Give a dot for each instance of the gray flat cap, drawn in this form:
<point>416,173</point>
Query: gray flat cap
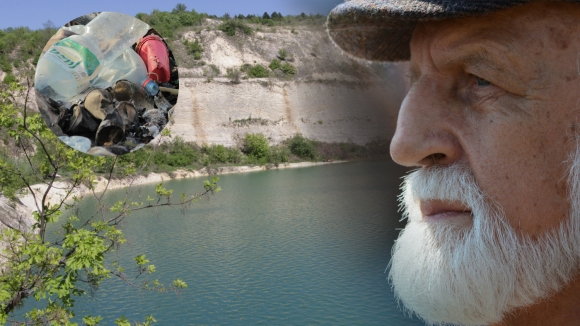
<point>380,30</point>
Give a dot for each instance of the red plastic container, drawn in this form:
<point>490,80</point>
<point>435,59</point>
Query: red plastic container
<point>156,57</point>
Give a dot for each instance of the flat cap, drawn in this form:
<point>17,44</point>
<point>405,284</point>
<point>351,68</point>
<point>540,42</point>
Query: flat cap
<point>380,30</point>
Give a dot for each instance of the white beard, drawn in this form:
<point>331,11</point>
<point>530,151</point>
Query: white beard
<point>476,274</point>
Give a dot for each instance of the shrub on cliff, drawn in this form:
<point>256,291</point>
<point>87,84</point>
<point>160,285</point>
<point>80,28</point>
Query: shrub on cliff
<point>255,71</point>
<point>302,147</point>
<point>233,75</point>
<point>230,26</point>
<point>286,68</point>
<point>176,154</point>
<point>278,154</point>
<point>221,154</point>
<point>195,48</point>
<point>256,146</point>
<point>275,64</point>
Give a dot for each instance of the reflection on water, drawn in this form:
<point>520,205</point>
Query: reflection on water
<point>296,246</point>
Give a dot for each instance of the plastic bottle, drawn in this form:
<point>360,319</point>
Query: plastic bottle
<point>72,64</point>
<point>67,68</point>
<point>115,32</point>
<point>150,86</point>
<point>128,66</point>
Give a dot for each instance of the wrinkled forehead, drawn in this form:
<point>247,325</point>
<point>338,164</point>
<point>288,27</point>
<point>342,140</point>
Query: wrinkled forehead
<point>533,32</point>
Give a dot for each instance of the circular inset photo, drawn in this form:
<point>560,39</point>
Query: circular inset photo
<point>106,83</point>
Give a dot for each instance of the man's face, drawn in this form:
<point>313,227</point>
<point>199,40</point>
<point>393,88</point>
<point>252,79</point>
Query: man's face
<point>491,106</point>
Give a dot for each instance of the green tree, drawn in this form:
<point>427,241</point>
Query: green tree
<point>256,146</point>
<point>302,147</point>
<point>180,7</point>
<point>55,271</point>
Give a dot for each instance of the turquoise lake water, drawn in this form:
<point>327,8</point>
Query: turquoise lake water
<point>306,246</point>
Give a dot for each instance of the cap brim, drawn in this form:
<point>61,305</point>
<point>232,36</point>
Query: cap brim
<point>381,30</point>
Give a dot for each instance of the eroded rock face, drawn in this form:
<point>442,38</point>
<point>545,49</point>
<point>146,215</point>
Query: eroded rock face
<point>14,215</point>
<point>330,98</point>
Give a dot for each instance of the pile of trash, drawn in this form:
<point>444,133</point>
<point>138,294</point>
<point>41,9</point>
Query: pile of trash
<point>106,83</point>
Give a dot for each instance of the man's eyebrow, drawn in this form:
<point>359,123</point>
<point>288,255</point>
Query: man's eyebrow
<point>474,59</point>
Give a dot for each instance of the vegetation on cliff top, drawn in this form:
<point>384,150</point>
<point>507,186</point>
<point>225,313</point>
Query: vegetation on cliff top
<point>20,47</point>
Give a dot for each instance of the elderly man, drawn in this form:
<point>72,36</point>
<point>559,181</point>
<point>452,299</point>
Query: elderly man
<point>491,123</point>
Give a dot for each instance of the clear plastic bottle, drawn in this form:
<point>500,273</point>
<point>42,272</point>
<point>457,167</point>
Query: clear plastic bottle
<point>128,66</point>
<point>114,32</point>
<point>67,68</point>
<point>72,64</point>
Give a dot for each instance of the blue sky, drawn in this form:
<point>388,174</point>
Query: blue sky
<point>34,13</point>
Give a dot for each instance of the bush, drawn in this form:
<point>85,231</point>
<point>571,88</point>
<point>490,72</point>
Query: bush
<point>233,75</point>
<point>194,48</point>
<point>302,147</point>
<point>10,78</point>
<point>136,158</point>
<point>211,72</point>
<point>275,64</point>
<point>36,58</point>
<point>176,154</point>
<point>5,65</point>
<point>215,69</point>
<point>278,155</point>
<point>255,71</point>
<point>256,146</point>
<point>288,69</point>
<point>230,26</point>
<point>282,54</point>
<point>220,154</point>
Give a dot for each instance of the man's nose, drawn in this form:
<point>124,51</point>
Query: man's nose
<point>426,131</point>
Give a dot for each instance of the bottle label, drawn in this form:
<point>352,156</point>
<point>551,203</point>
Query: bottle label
<point>76,59</point>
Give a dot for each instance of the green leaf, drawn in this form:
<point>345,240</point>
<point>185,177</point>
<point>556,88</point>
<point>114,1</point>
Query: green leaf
<point>122,321</point>
<point>141,260</point>
<point>91,321</point>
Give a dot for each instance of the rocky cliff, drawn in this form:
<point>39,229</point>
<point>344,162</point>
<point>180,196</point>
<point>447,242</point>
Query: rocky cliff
<point>330,98</point>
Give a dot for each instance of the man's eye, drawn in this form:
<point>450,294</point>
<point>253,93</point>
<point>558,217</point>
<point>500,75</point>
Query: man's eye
<point>482,82</point>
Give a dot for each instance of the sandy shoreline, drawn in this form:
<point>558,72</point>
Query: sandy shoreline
<point>58,190</point>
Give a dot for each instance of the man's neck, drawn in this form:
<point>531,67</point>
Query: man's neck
<point>561,308</point>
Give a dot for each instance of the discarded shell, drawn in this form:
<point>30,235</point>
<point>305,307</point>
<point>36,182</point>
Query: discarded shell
<point>141,100</point>
<point>128,113</point>
<point>99,102</point>
<point>51,112</point>
<point>81,121</point>
<point>111,130</point>
<point>123,90</point>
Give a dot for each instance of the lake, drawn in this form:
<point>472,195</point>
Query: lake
<point>305,246</point>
